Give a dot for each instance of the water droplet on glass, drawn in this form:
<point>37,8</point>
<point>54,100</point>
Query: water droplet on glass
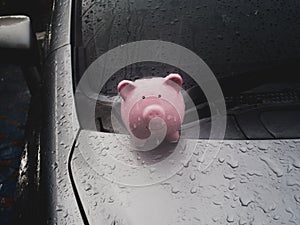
<point>243,149</point>
<point>174,190</point>
<point>229,176</point>
<point>297,198</point>
<point>289,168</point>
<point>233,163</point>
<point>245,200</point>
<point>231,187</point>
<point>276,217</point>
<point>272,165</point>
<point>193,176</point>
<point>230,219</point>
<point>221,160</point>
<point>88,187</point>
<point>242,222</point>
<point>152,170</point>
<point>292,182</point>
<point>296,163</point>
<point>110,200</point>
<point>193,190</point>
<point>215,219</point>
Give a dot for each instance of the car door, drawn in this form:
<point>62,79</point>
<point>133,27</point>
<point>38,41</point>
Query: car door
<point>239,180</point>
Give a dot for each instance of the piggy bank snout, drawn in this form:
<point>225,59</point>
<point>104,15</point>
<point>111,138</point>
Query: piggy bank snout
<point>153,111</point>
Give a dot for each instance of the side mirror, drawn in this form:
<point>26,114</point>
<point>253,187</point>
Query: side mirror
<point>18,45</point>
<point>15,32</point>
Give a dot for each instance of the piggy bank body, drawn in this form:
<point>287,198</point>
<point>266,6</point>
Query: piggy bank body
<point>152,106</point>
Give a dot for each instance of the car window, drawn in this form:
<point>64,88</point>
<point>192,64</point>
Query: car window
<point>231,37</point>
<point>249,46</point>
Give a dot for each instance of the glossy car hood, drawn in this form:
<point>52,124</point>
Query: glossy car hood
<point>200,182</point>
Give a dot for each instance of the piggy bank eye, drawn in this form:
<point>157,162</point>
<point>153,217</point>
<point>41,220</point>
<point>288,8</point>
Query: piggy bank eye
<point>143,97</point>
<point>159,96</point>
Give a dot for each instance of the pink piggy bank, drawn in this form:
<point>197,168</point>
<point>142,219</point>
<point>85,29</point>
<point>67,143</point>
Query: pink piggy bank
<point>152,105</point>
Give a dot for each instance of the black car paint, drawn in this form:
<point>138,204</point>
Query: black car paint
<point>55,200</point>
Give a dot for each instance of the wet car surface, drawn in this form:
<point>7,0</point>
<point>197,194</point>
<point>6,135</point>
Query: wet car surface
<point>92,176</point>
<point>245,182</point>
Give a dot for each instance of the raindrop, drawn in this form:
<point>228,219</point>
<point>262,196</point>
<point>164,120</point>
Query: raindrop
<point>290,211</point>
<point>272,165</point>
<point>58,209</point>
<point>296,163</point>
<point>291,182</point>
<point>152,170</point>
<point>233,163</point>
<point>113,167</point>
<point>221,160</point>
<point>66,215</point>
<point>193,176</point>
<point>196,153</point>
<point>55,165</point>
<point>104,153</point>
<point>276,217</point>
<point>249,147</point>
<point>158,157</point>
<point>227,196</point>
<point>230,219</point>
<point>180,173</point>
<point>215,219</point>
<point>197,219</point>
<point>289,168</point>
<point>254,173</point>
<point>88,187</point>
<point>201,160</point>
<point>272,207</point>
<point>110,200</point>
<point>231,187</point>
<point>229,176</point>
<point>193,190</point>
<point>186,164</point>
<point>157,141</point>
<point>243,149</point>
<point>263,148</point>
<point>297,198</point>
<point>245,200</point>
<point>242,222</point>
<point>217,202</point>
<point>174,190</point>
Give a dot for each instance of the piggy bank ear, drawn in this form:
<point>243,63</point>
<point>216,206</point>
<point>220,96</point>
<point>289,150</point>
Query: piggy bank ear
<point>125,87</point>
<point>174,80</point>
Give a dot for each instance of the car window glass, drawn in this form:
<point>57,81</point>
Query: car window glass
<point>242,43</point>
